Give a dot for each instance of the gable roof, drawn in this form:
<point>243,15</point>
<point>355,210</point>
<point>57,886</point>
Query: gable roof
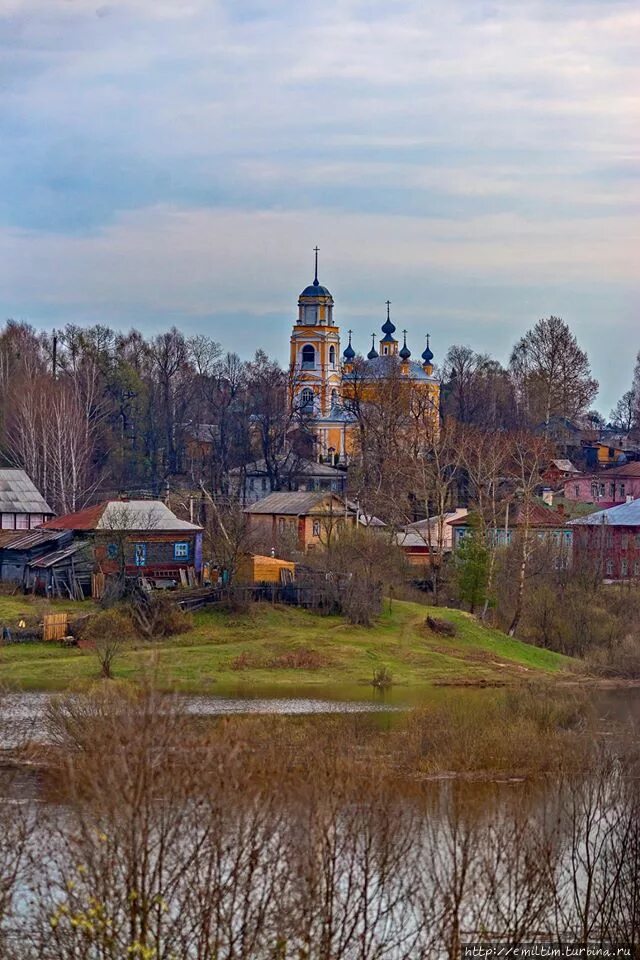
<point>564,465</point>
<point>299,504</point>
<point>30,539</point>
<point>539,516</point>
<point>19,494</point>
<point>296,466</point>
<point>624,515</point>
<point>134,515</point>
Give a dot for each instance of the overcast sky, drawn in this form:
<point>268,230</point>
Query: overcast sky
<point>175,161</point>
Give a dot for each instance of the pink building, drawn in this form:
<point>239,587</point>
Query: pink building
<point>606,487</point>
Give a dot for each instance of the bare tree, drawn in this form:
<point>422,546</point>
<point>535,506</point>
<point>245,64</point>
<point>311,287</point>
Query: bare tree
<point>552,373</point>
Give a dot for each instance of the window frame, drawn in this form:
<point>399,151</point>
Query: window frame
<point>178,553</point>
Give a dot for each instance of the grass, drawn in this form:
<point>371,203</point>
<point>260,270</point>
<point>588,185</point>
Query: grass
<point>286,650</point>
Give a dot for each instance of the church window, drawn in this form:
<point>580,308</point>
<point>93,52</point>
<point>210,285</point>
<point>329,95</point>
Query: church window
<point>386,351</point>
<point>308,357</point>
<point>306,400</point>
<point>334,397</point>
<point>311,314</point>
<point>332,356</point>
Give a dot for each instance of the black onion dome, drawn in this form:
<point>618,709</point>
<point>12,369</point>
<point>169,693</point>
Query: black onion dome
<point>427,355</point>
<point>405,353</point>
<point>373,353</point>
<point>388,328</point>
<point>348,353</point>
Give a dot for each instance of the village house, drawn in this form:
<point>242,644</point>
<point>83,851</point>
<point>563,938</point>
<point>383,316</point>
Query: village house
<point>252,481</point>
<point>546,526</point>
<point>558,471</point>
<point>419,541</point>
<point>306,520</point>
<point>138,537</point>
<point>606,487</point>
<point>608,542</point>
<point>22,506</point>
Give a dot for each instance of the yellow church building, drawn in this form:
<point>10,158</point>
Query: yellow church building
<point>324,384</point>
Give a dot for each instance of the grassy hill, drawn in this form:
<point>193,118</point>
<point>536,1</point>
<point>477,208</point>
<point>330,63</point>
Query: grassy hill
<point>290,651</point>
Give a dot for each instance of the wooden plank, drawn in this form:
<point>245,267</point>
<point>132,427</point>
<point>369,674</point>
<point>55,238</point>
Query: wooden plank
<point>55,626</point>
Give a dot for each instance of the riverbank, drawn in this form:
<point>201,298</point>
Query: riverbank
<point>284,648</point>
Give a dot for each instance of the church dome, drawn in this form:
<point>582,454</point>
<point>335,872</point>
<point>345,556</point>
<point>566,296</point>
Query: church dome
<point>315,290</point>
<point>427,355</point>
<point>349,353</point>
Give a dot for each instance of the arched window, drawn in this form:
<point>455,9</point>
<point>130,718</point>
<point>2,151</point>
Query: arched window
<point>332,356</point>
<point>334,397</point>
<point>306,400</point>
<point>308,357</point>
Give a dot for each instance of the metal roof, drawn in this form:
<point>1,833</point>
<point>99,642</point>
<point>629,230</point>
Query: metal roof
<point>28,539</point>
<point>51,559</point>
<point>380,367</point>
<point>134,515</point>
<point>298,504</point>
<point>296,466</point>
<point>624,515</point>
<point>18,494</point>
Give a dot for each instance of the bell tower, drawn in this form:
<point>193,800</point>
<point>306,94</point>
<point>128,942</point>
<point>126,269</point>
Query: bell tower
<point>315,351</point>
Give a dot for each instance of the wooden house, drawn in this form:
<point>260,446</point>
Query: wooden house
<point>605,487</point>
<point>419,541</point>
<point>306,520</point>
<point>252,482</point>
<point>608,542</point>
<point>546,526</point>
<point>139,537</point>
<point>22,506</point>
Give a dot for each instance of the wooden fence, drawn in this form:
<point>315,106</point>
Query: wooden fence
<point>55,626</point>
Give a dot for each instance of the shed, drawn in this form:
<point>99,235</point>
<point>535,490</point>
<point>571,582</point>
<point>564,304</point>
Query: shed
<point>254,568</point>
<point>19,550</point>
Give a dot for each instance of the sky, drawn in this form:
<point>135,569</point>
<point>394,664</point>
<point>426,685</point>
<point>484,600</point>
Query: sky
<point>175,161</point>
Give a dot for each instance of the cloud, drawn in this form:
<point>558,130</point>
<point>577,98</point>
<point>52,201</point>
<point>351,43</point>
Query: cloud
<point>175,156</point>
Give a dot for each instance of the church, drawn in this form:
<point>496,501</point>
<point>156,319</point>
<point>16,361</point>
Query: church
<point>324,383</point>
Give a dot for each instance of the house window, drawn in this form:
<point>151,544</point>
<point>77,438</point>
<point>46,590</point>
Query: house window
<point>332,356</point>
<point>624,542</point>
<point>35,520</point>
<point>308,357</point>
<point>316,528</point>
<point>602,489</point>
<point>251,485</point>
<point>609,568</point>
<point>181,551</point>
<point>577,490</point>
<point>612,491</point>
<point>140,554</point>
<point>622,489</point>
<point>624,568</point>
<point>22,521</point>
<point>636,569</point>
<point>8,521</point>
<point>637,539</point>
<point>282,524</point>
<point>112,551</point>
<point>264,483</point>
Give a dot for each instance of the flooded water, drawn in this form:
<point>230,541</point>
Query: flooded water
<point>23,715</point>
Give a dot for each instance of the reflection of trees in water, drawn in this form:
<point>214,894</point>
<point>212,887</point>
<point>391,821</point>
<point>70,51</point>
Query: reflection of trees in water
<point>174,843</point>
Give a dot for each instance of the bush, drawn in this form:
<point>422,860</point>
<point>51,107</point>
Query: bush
<point>621,660</point>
